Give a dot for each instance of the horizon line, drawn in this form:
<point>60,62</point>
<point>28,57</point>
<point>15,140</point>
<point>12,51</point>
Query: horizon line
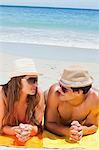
<point>50,7</point>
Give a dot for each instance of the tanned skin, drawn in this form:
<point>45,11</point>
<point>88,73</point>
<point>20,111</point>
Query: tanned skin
<point>72,114</point>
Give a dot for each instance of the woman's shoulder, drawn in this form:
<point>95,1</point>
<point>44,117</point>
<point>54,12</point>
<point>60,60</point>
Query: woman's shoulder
<point>1,92</point>
<point>2,95</point>
<point>0,88</point>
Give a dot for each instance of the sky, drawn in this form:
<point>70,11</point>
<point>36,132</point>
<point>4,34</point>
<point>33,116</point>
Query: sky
<point>87,4</point>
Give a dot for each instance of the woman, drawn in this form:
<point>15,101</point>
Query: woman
<point>21,101</point>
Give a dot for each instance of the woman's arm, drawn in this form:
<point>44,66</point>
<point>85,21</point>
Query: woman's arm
<point>5,129</point>
<point>11,130</point>
<point>2,109</point>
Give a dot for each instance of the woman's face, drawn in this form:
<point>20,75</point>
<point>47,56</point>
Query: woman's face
<point>29,84</point>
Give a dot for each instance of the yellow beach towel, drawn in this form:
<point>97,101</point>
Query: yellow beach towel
<point>90,142</point>
<point>34,142</point>
<point>50,140</point>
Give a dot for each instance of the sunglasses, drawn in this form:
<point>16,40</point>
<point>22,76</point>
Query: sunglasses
<point>32,80</point>
<point>73,89</point>
<point>64,89</point>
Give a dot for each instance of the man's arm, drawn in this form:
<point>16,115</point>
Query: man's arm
<point>91,124</point>
<point>92,121</point>
<point>52,115</point>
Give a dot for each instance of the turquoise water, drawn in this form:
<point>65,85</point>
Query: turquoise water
<point>52,26</point>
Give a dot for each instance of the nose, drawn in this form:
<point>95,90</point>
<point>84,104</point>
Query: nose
<point>35,84</point>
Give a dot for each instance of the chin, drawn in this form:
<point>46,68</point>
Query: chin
<point>66,98</point>
<point>32,93</point>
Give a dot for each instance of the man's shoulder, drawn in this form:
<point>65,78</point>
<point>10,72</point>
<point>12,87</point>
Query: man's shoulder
<point>54,88</point>
<point>94,97</point>
<point>94,93</point>
<point>53,93</point>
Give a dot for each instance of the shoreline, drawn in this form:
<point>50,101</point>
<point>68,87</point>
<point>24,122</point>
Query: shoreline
<point>37,44</point>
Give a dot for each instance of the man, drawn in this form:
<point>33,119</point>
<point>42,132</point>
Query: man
<point>72,107</point>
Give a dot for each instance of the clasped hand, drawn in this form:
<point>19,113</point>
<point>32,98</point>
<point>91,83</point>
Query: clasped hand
<point>75,131</point>
<point>25,131</point>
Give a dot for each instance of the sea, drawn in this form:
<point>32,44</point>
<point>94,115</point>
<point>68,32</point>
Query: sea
<point>50,26</point>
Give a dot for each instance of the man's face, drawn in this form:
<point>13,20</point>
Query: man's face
<point>67,94</point>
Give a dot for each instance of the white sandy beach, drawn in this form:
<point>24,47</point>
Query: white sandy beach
<point>51,60</point>
<point>50,69</point>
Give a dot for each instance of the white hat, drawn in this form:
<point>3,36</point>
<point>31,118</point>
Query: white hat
<point>75,76</point>
<point>20,67</point>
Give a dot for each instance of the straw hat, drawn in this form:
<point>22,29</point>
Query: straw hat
<point>75,76</point>
<point>19,67</point>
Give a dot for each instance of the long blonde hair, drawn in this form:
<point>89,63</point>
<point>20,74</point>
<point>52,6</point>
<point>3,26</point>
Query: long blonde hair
<point>12,92</point>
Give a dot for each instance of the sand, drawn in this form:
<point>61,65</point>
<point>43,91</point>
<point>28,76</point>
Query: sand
<point>51,60</point>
